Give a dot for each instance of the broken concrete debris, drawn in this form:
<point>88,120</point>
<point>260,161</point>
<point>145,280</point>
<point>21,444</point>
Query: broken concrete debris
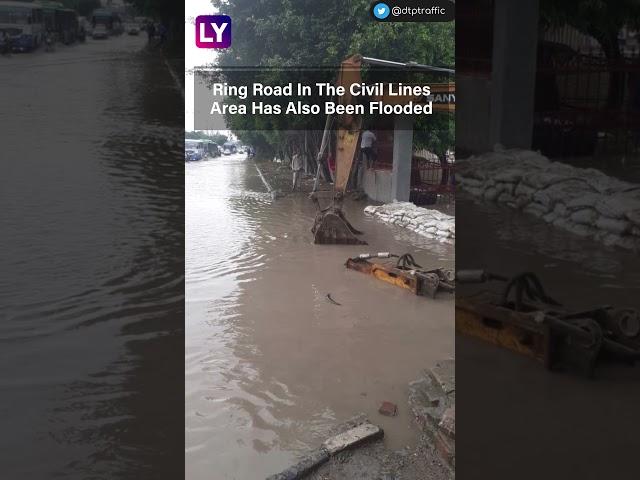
<point>424,221</point>
<point>432,401</point>
<point>357,434</point>
<point>352,437</point>
<point>307,464</point>
<point>584,201</point>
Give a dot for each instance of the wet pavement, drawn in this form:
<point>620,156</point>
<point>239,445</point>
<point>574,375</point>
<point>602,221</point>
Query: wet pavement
<point>92,223</point>
<point>271,364</point>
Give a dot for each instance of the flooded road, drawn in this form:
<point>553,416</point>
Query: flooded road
<point>572,268</point>
<point>585,428</point>
<point>92,245</point>
<point>271,364</point>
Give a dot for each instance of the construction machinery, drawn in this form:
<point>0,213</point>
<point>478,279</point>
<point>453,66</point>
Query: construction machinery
<point>523,318</point>
<point>330,225</point>
<point>404,273</point>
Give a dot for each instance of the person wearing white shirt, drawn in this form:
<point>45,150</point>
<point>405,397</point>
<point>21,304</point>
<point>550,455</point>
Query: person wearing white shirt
<point>367,150</point>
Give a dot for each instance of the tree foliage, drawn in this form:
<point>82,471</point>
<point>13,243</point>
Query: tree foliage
<point>83,7</point>
<point>602,20</point>
<point>217,138</point>
<point>311,33</point>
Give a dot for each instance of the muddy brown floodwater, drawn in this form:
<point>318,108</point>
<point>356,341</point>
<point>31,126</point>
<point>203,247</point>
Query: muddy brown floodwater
<point>271,364</point>
<point>91,296</point>
<point>582,428</point>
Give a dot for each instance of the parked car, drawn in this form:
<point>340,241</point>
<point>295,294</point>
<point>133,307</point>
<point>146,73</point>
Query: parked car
<point>100,32</point>
<point>228,148</point>
<point>133,29</point>
<point>192,155</point>
<point>194,150</point>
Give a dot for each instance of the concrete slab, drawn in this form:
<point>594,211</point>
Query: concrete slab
<point>306,465</point>
<point>448,422</point>
<point>352,437</point>
<point>444,374</point>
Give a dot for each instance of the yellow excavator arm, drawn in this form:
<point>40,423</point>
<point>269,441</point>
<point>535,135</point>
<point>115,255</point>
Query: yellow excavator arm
<point>331,226</point>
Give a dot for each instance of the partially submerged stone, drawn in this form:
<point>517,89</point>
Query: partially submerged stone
<point>448,422</point>
<point>306,465</point>
<point>388,409</point>
<point>354,436</point>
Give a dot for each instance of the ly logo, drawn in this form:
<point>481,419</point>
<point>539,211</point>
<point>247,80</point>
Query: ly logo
<point>213,31</point>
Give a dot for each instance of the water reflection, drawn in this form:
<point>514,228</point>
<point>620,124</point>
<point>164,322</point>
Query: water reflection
<point>92,262</point>
<point>271,364</point>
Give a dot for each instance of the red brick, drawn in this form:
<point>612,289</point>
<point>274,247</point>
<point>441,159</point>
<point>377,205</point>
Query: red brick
<point>389,409</point>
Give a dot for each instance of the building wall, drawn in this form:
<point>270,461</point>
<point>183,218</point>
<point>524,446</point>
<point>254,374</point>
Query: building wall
<point>377,185</point>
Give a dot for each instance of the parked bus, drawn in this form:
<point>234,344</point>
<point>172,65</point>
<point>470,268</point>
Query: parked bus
<point>22,24</point>
<point>60,21</point>
<point>109,19</point>
<point>68,26</point>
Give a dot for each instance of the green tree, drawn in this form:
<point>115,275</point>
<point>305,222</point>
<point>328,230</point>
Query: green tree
<point>601,19</point>
<point>83,7</point>
<point>217,138</point>
<point>285,33</point>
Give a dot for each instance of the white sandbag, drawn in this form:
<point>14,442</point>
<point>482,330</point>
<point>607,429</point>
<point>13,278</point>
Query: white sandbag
<point>535,209</point>
<point>633,216</point>
<point>617,205</point>
<point>523,190</point>
<point>584,216</point>
<point>613,225</point>
<point>506,197</point>
<point>588,199</point>
<point>581,230</point>
<point>491,194</point>
<point>560,209</point>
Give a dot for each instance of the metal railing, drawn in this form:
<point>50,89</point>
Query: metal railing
<point>432,182</point>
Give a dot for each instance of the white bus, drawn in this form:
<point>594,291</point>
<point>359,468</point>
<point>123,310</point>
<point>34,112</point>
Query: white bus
<point>23,24</point>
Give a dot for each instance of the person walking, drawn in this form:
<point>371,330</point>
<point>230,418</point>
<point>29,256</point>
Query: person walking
<point>151,31</point>
<point>6,43</point>
<point>296,166</point>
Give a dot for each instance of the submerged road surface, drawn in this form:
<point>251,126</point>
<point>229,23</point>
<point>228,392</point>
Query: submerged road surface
<point>91,297</point>
<point>272,364</point>
<point>513,412</point>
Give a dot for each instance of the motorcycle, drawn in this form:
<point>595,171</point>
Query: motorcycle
<point>49,43</point>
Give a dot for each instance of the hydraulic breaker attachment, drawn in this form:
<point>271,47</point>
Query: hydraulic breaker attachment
<point>525,319</point>
<point>404,273</point>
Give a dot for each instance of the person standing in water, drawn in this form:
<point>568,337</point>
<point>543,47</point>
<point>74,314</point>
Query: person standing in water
<point>296,166</point>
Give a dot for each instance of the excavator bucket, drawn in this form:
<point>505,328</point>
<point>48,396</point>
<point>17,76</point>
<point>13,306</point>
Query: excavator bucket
<point>332,228</point>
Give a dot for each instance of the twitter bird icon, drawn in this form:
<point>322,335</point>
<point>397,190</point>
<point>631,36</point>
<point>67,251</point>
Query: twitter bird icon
<point>381,11</point>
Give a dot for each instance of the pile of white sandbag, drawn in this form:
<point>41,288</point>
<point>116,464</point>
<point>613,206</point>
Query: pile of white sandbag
<point>430,223</point>
<point>584,201</point>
